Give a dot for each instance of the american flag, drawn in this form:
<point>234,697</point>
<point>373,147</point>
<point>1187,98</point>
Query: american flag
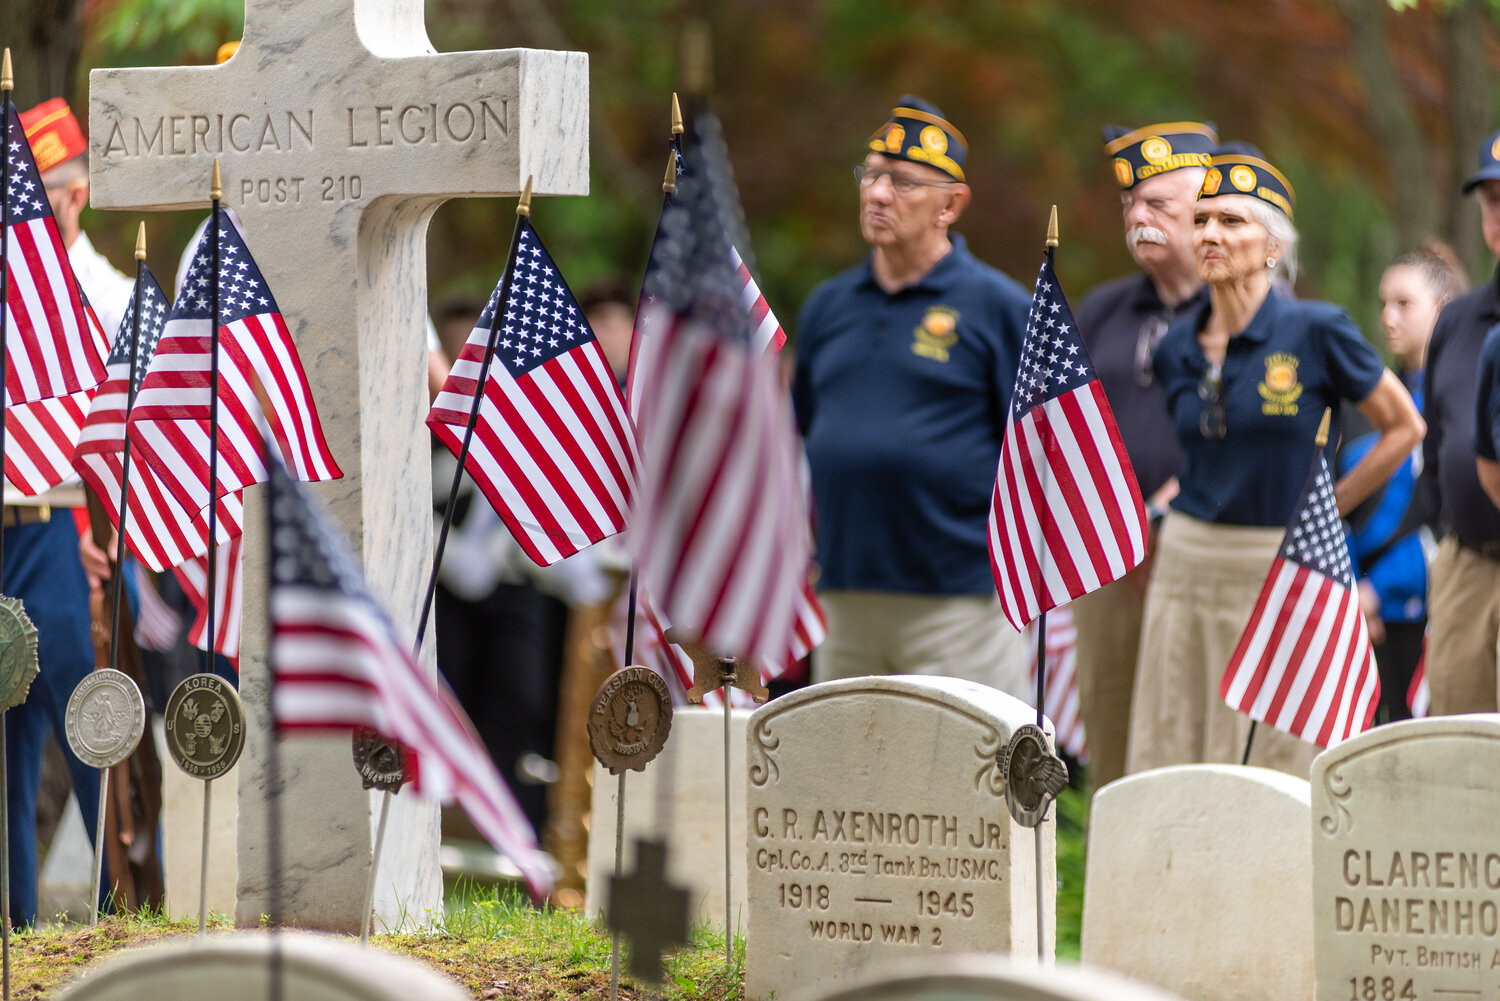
<point>169,425</point>
<point>159,528</point>
<point>1303,664</point>
<point>1066,516</point>
<point>553,449</point>
<point>228,599</point>
<point>54,345</point>
<point>337,664</point>
<point>768,337</point>
<point>720,530</point>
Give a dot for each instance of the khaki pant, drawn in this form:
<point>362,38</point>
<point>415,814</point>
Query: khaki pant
<point>1203,589</point>
<point>1463,622</point>
<point>953,636</point>
<point>1109,636</point>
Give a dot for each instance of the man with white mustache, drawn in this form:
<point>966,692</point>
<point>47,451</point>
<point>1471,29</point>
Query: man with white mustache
<point>1159,169</point>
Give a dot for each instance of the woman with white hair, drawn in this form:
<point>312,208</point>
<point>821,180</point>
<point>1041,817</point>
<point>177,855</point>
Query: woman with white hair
<point>1247,377</point>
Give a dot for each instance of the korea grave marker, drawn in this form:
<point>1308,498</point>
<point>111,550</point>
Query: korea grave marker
<point>1406,862</point>
<point>340,131</point>
<point>1200,881</point>
<point>878,829</point>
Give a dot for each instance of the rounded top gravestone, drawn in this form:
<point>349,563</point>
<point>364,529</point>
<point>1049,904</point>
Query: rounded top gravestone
<point>990,978</point>
<point>237,968</point>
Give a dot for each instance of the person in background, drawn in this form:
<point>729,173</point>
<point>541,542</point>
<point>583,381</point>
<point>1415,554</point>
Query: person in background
<point>905,366</point>
<point>1463,596</point>
<point>42,563</point>
<point>1160,169</point>
<point>1247,376</point>
<point>1388,551</point>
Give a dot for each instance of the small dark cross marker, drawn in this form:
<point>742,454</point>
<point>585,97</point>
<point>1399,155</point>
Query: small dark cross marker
<point>710,671</point>
<point>644,906</point>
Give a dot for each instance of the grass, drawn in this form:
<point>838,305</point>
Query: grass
<point>497,946</point>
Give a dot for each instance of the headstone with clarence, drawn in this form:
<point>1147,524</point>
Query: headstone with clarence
<point>340,130</point>
<point>1406,862</point>
<point>878,830</point>
<point>1200,881</point>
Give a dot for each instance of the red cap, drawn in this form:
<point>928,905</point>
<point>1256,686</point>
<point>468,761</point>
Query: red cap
<point>54,133</point>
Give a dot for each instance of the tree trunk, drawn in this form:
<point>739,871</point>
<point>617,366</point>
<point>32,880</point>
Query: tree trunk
<point>1413,201</point>
<point>1470,98</point>
<point>44,38</point>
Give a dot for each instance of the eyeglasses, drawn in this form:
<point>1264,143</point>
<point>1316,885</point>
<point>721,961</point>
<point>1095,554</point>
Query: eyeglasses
<point>1145,348</point>
<point>1211,392</point>
<point>866,177</point>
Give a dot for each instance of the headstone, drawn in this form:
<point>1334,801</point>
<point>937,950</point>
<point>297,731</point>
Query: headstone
<point>689,771</point>
<point>878,829</point>
<point>340,131</point>
<point>1200,881</point>
<point>237,968</point>
<point>1406,862</point>
<point>989,978</point>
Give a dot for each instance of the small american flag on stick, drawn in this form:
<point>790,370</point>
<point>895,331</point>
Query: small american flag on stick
<point>1304,663</point>
<point>720,530</point>
<point>553,449</point>
<point>337,664</point>
<point>1066,515</point>
<point>169,424</point>
<point>54,345</point>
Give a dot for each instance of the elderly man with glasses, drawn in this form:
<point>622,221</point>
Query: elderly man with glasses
<point>1159,169</point>
<point>905,365</point>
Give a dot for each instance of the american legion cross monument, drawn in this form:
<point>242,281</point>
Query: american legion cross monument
<point>340,130</point>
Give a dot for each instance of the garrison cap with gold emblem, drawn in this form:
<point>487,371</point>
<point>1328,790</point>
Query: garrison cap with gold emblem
<point>918,132</point>
<point>1240,169</point>
<point>1155,149</point>
<point>54,133</point>
<point>1489,164</point>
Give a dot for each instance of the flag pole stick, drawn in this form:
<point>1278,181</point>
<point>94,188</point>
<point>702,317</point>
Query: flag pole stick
<point>211,590</point>
<point>1249,739</point>
<point>208,786</point>
<point>7,111</point>
<point>121,514</point>
<point>728,835</point>
<point>614,935</point>
<point>273,746</point>
<point>523,210</point>
<point>1041,679</point>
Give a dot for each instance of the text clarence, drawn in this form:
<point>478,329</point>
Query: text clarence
<point>427,124</point>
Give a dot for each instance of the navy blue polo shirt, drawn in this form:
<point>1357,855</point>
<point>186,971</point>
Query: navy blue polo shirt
<point>1487,397</point>
<point>1295,359</point>
<point>901,400</point>
<point>1117,321</point>
<point>1450,384</point>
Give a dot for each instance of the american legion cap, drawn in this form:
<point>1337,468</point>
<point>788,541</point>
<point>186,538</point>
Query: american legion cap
<point>1489,164</point>
<point>1155,149</point>
<point>1240,169</point>
<point>917,131</point>
<point>53,132</point>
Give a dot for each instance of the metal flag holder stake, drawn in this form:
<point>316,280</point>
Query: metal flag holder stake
<point>211,586</point>
<point>380,763</point>
<point>205,723</point>
<point>712,671</point>
<point>104,721</point>
<point>1032,771</point>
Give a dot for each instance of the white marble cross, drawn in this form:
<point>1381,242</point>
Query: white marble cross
<point>340,131</point>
